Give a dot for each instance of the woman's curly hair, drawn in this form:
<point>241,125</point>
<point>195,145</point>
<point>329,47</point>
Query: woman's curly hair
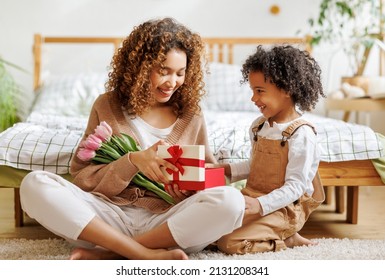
<point>290,69</point>
<point>145,48</point>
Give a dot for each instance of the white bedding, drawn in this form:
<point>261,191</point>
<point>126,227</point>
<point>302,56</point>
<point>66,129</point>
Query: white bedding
<point>338,140</point>
<point>48,138</point>
<point>69,95</point>
<point>48,142</point>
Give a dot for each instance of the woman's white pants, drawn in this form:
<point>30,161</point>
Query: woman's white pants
<point>66,210</point>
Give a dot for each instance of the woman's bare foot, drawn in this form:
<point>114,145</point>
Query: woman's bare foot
<point>94,254</point>
<point>298,240</point>
<point>102,254</point>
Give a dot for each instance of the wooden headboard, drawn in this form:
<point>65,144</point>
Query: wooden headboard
<point>228,44</point>
<point>221,49</point>
<point>39,41</point>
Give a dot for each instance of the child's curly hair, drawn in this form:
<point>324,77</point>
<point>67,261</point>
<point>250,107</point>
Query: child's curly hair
<point>145,48</point>
<point>290,69</point>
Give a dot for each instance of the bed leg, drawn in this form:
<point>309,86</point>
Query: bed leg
<point>352,205</point>
<point>19,214</point>
<point>328,194</point>
<point>340,199</point>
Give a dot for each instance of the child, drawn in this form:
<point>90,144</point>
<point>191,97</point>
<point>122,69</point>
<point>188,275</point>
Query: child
<point>154,90</point>
<point>283,186</point>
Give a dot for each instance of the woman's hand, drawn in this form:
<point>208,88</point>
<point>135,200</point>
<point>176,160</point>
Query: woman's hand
<point>176,193</point>
<point>148,162</point>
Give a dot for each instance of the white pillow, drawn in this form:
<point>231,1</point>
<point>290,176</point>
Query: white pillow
<point>69,95</point>
<point>224,91</point>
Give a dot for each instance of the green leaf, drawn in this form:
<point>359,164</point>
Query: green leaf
<point>315,40</point>
<point>159,185</point>
<point>109,151</point>
<point>345,9</point>
<point>10,92</point>
<point>149,185</point>
<point>120,143</point>
<point>130,142</point>
<point>99,159</point>
<point>13,65</point>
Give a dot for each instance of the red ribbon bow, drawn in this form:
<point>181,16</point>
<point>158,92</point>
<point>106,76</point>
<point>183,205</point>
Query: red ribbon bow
<point>176,152</point>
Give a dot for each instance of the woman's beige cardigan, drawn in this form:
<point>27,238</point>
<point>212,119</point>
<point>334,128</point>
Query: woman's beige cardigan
<point>112,181</point>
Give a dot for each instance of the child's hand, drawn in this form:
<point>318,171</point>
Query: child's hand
<point>176,193</point>
<point>226,167</point>
<point>252,205</point>
<point>210,165</point>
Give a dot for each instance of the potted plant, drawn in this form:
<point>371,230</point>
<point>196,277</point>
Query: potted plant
<point>10,96</point>
<point>355,25</point>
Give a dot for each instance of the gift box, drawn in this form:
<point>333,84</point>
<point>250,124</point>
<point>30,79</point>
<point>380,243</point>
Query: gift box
<point>192,174</point>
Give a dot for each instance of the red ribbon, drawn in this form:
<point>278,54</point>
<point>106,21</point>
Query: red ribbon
<point>176,152</point>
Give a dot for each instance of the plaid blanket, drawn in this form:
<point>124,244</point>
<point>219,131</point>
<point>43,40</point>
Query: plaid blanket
<point>48,142</point>
<point>337,140</point>
<point>44,146</point>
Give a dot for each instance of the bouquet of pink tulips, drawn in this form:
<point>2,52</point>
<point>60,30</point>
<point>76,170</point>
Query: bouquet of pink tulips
<point>103,147</point>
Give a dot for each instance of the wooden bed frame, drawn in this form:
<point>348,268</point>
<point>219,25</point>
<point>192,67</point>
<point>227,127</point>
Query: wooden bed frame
<point>341,175</point>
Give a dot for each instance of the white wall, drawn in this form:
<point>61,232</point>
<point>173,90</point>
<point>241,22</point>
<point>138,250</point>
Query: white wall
<point>20,19</point>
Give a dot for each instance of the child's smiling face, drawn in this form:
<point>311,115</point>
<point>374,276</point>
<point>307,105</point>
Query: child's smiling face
<point>275,104</point>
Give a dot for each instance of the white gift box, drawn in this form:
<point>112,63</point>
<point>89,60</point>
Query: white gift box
<point>189,158</point>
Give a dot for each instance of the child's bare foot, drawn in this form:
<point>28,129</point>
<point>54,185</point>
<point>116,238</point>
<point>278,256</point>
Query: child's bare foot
<point>102,254</point>
<point>298,240</point>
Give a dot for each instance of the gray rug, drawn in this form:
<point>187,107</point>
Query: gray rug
<point>327,249</point>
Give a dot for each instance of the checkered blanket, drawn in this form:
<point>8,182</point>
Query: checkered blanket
<point>338,140</point>
<point>48,142</point>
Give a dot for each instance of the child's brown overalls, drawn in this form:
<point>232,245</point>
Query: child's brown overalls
<point>268,168</point>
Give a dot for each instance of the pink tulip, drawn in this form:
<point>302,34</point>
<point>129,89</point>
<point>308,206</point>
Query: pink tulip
<point>92,142</point>
<point>86,154</point>
<point>103,131</point>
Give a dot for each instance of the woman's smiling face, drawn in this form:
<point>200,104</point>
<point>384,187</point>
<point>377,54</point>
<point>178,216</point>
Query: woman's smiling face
<point>167,79</point>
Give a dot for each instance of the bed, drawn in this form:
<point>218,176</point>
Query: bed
<point>352,155</point>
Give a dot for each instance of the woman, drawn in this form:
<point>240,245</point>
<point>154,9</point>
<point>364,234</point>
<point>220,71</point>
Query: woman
<point>153,94</point>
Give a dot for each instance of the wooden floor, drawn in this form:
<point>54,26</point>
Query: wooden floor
<point>323,223</point>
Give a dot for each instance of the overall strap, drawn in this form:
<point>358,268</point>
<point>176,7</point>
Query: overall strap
<point>257,128</point>
<point>287,133</point>
<point>291,129</point>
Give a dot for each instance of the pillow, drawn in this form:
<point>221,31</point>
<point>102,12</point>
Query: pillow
<point>224,90</point>
<point>69,95</point>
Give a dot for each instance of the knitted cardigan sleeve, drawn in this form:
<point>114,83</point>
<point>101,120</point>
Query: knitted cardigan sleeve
<point>108,179</point>
<point>111,180</point>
